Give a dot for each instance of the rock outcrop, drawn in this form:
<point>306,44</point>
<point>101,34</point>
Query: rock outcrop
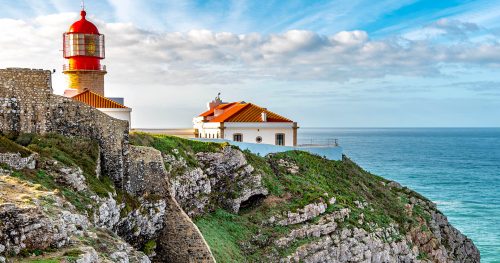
<point>289,207</point>
<point>223,179</point>
<point>16,161</point>
<point>34,220</point>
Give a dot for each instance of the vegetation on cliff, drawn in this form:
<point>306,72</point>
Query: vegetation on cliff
<point>43,196</point>
<point>296,180</point>
<point>233,236</point>
<point>308,203</point>
<point>70,152</point>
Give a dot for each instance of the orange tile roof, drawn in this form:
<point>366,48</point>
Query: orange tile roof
<point>220,107</point>
<point>97,101</point>
<point>243,112</point>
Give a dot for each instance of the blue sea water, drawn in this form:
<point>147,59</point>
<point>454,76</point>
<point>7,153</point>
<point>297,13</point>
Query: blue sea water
<point>457,168</point>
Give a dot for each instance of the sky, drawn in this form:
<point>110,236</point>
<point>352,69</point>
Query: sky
<point>353,63</point>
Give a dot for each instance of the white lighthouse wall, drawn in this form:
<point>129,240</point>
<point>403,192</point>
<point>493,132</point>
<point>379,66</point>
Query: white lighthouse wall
<point>119,113</point>
<point>268,135</point>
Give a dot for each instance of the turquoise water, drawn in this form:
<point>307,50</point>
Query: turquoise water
<point>459,169</point>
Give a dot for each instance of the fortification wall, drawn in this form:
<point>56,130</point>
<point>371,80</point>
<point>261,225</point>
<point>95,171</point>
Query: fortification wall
<point>27,105</point>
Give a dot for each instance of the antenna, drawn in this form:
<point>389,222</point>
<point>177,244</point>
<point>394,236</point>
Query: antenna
<point>83,5</point>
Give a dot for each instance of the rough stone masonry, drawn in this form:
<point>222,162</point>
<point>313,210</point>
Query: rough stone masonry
<point>27,105</point>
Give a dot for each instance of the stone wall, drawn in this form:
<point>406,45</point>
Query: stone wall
<point>27,105</point>
<point>182,239</point>
<point>179,240</point>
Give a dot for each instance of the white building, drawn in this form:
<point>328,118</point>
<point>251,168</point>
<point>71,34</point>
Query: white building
<point>245,122</point>
<point>111,106</point>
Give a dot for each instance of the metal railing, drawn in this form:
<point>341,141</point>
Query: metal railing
<point>85,67</point>
<point>319,142</point>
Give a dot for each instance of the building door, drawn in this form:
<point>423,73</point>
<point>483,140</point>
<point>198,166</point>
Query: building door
<point>280,139</point>
<point>238,137</point>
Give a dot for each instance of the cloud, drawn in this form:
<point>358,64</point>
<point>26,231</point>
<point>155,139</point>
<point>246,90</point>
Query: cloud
<point>454,28</point>
<point>203,56</point>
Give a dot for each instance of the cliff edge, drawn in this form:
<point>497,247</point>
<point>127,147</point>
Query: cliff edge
<point>75,186</point>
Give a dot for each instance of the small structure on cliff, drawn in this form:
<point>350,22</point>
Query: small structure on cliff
<point>245,122</point>
<point>83,47</point>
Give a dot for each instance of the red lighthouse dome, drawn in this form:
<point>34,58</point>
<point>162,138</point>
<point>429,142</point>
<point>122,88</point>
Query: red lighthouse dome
<point>83,46</point>
<point>83,26</point>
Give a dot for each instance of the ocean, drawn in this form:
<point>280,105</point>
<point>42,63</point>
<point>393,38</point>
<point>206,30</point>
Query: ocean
<point>457,168</point>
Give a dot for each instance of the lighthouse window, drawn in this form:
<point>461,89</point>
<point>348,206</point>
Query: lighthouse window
<point>83,45</point>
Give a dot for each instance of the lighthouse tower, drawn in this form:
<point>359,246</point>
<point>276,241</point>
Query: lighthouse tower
<point>83,47</point>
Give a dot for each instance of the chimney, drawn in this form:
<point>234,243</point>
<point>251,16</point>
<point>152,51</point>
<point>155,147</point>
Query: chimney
<point>264,116</point>
<point>214,103</point>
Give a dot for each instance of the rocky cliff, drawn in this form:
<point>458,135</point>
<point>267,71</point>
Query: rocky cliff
<point>296,207</point>
<point>76,187</point>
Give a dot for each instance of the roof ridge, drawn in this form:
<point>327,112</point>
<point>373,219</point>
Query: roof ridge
<point>101,97</point>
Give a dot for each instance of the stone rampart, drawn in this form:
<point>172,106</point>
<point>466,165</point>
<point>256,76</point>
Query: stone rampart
<point>27,105</point>
<point>180,240</point>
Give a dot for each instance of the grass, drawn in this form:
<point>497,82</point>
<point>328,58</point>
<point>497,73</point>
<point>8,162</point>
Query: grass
<point>150,247</point>
<point>224,231</point>
<point>233,237</point>
<point>41,261</point>
<point>174,145</point>
<point>73,253</point>
<point>8,146</point>
<point>242,237</point>
<point>73,152</point>
<point>423,256</point>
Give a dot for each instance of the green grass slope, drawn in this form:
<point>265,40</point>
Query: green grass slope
<point>244,237</point>
<point>71,152</point>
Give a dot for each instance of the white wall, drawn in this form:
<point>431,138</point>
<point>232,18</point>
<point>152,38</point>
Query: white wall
<point>121,114</point>
<point>250,131</point>
<point>207,129</point>
<point>268,134</point>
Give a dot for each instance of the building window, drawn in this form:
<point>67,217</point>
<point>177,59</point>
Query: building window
<point>238,137</point>
<point>280,139</point>
<point>258,139</point>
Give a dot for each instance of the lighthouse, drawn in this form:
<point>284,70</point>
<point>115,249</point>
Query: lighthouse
<point>84,49</point>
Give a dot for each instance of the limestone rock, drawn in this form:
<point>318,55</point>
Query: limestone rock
<point>107,214</point>
<point>226,173</point>
<point>289,166</point>
<point>17,162</point>
<point>306,213</point>
<point>73,177</point>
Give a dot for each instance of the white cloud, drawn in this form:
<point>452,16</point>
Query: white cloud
<point>203,56</point>
<point>202,62</point>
